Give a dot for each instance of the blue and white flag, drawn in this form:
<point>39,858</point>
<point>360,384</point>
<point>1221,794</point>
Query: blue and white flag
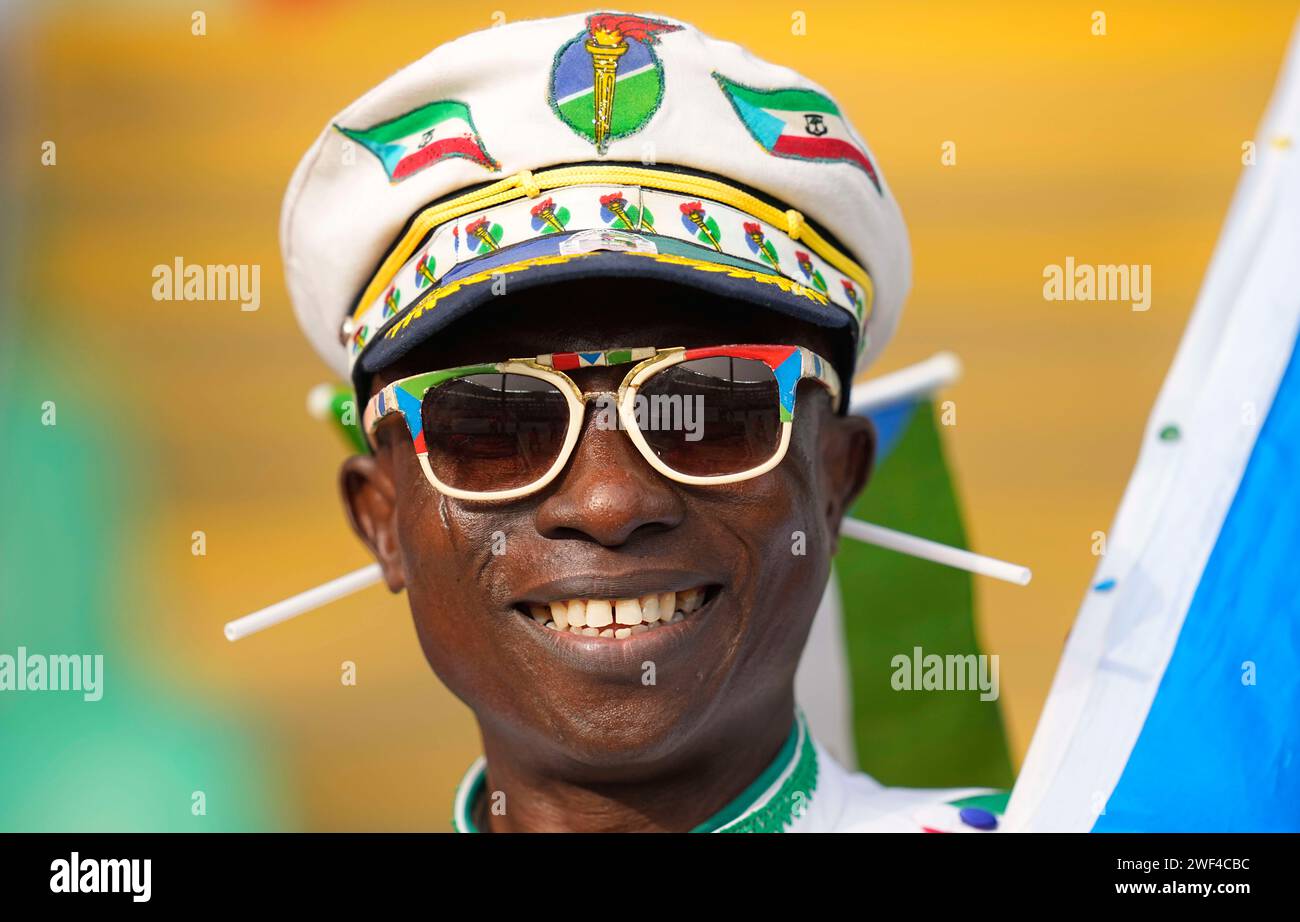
<point>1176,706</point>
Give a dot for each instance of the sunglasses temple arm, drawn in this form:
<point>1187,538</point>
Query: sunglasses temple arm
<point>935,552</point>
<point>304,602</point>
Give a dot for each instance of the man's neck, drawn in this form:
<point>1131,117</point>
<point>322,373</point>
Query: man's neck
<point>520,795</point>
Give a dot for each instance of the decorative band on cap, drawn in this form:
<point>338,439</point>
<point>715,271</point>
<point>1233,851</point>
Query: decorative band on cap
<point>463,241</point>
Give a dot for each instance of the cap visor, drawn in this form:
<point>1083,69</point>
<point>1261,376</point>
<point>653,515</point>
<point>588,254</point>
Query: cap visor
<point>541,262</point>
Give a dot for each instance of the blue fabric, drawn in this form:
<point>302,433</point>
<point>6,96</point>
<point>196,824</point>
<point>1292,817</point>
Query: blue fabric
<point>1216,753</point>
<point>890,422</point>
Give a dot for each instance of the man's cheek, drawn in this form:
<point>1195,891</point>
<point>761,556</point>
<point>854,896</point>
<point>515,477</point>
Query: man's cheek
<point>795,552</point>
<point>788,504</point>
<point>453,557</point>
<point>446,599</point>
<point>439,581</point>
<point>775,519</point>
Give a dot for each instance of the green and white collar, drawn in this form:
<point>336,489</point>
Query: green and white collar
<point>771,803</point>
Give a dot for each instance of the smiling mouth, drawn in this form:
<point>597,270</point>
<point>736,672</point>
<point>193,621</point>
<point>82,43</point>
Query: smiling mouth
<point>619,619</point>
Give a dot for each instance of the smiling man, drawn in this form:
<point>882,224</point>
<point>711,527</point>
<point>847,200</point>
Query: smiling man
<point>600,283</point>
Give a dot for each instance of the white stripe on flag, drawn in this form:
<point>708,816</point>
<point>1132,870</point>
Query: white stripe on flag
<point>447,128</point>
<point>796,124</point>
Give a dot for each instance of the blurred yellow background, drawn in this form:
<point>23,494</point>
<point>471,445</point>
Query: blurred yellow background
<point>1122,148</point>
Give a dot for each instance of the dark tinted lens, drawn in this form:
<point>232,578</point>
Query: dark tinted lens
<point>712,416</point>
<point>493,432</point>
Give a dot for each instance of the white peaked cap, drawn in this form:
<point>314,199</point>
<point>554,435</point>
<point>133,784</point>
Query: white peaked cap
<point>604,143</point>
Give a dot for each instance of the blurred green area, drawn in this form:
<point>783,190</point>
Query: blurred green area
<point>135,759</point>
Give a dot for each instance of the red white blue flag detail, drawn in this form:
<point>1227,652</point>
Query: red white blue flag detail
<point>797,123</point>
<point>420,138</point>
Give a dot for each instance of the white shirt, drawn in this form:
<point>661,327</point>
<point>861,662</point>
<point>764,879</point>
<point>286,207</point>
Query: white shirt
<point>806,790</point>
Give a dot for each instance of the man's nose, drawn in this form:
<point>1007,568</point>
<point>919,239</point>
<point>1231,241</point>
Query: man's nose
<point>608,492</point>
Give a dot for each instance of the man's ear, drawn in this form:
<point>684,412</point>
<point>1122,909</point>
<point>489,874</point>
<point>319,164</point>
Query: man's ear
<point>371,501</point>
<point>848,454</point>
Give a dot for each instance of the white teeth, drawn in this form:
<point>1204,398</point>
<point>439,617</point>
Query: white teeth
<point>617,618</point>
<point>599,613</point>
<point>627,611</point>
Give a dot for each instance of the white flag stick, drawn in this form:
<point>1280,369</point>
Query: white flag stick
<point>915,381</point>
<point>304,602</point>
<point>936,552</point>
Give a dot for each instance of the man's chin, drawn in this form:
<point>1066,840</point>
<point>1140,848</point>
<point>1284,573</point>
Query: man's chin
<point>627,740</point>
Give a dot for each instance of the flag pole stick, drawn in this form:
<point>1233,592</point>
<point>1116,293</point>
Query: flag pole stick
<point>303,602</point>
<point>913,382</point>
<point>936,552</point>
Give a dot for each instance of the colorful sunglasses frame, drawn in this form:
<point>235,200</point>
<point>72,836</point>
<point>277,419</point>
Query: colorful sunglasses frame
<point>789,365</point>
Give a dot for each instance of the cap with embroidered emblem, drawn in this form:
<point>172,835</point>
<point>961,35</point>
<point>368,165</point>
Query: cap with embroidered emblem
<point>614,146</point>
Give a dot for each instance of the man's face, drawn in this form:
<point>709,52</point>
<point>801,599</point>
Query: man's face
<point>611,527</point>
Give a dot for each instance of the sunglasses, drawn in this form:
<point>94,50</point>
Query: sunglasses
<point>502,430</point>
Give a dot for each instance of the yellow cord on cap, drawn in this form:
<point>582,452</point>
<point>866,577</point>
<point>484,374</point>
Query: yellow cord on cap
<point>793,224</point>
<point>525,180</point>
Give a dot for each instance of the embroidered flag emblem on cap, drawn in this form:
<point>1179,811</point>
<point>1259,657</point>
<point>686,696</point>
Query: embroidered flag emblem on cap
<point>803,124</point>
<point>409,143</point>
